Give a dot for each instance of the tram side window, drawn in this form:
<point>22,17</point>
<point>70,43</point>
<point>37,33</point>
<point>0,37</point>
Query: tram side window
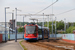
<point>40,31</point>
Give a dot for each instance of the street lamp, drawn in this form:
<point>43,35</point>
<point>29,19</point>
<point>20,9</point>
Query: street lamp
<point>5,22</point>
<point>16,24</point>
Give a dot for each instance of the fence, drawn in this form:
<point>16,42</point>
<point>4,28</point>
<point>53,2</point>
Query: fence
<point>21,35</point>
<point>12,36</point>
<point>69,38</point>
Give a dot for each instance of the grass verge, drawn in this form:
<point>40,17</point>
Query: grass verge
<point>23,45</point>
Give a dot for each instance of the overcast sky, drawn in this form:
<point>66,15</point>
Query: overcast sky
<point>34,6</point>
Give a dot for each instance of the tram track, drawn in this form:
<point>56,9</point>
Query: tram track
<point>60,44</point>
<point>49,46</point>
<point>52,47</point>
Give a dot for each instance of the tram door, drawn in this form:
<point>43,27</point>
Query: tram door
<point>45,33</point>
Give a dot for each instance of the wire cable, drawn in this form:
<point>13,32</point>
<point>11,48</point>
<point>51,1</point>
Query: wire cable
<point>47,7</point>
<point>65,12</point>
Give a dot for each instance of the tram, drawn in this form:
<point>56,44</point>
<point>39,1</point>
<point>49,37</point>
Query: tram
<point>34,32</point>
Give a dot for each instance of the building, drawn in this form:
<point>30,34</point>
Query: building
<point>2,27</point>
<point>12,24</point>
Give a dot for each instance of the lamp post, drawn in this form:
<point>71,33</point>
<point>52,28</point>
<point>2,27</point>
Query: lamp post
<point>16,24</point>
<point>5,22</point>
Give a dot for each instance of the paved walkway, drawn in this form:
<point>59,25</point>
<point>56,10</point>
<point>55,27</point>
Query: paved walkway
<point>10,45</point>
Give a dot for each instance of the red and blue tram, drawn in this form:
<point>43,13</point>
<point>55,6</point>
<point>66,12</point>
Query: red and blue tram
<point>33,32</point>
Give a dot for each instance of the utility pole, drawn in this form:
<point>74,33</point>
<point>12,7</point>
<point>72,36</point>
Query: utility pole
<point>48,29</point>
<point>42,27</point>
<point>65,25</point>
<point>12,22</point>
<point>5,23</point>
<point>55,28</point>
<point>23,26</point>
<point>43,20</point>
<point>52,27</point>
<point>48,22</point>
<point>16,25</point>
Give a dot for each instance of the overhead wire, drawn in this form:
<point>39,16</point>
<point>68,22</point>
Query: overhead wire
<point>52,7</point>
<point>65,12</point>
<point>47,7</point>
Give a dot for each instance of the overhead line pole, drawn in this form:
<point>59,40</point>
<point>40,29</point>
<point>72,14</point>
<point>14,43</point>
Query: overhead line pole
<point>55,28</point>
<point>48,29</point>
<point>23,25</point>
<point>65,25</point>
<point>12,22</point>
<point>52,27</point>
<point>42,27</point>
<point>43,20</point>
<point>16,25</point>
<point>5,24</point>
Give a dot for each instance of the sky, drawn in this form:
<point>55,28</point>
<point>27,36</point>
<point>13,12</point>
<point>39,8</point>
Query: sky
<point>34,6</point>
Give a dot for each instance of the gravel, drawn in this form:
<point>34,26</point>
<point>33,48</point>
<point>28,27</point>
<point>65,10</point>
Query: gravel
<point>33,47</point>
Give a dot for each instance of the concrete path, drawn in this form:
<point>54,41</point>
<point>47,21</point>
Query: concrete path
<point>10,45</point>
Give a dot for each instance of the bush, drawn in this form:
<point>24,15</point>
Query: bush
<point>70,29</point>
<point>21,29</point>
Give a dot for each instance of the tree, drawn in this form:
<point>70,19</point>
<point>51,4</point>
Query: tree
<point>70,29</point>
<point>60,25</point>
<point>21,29</point>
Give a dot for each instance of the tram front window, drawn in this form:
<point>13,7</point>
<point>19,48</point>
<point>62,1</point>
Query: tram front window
<point>30,29</point>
